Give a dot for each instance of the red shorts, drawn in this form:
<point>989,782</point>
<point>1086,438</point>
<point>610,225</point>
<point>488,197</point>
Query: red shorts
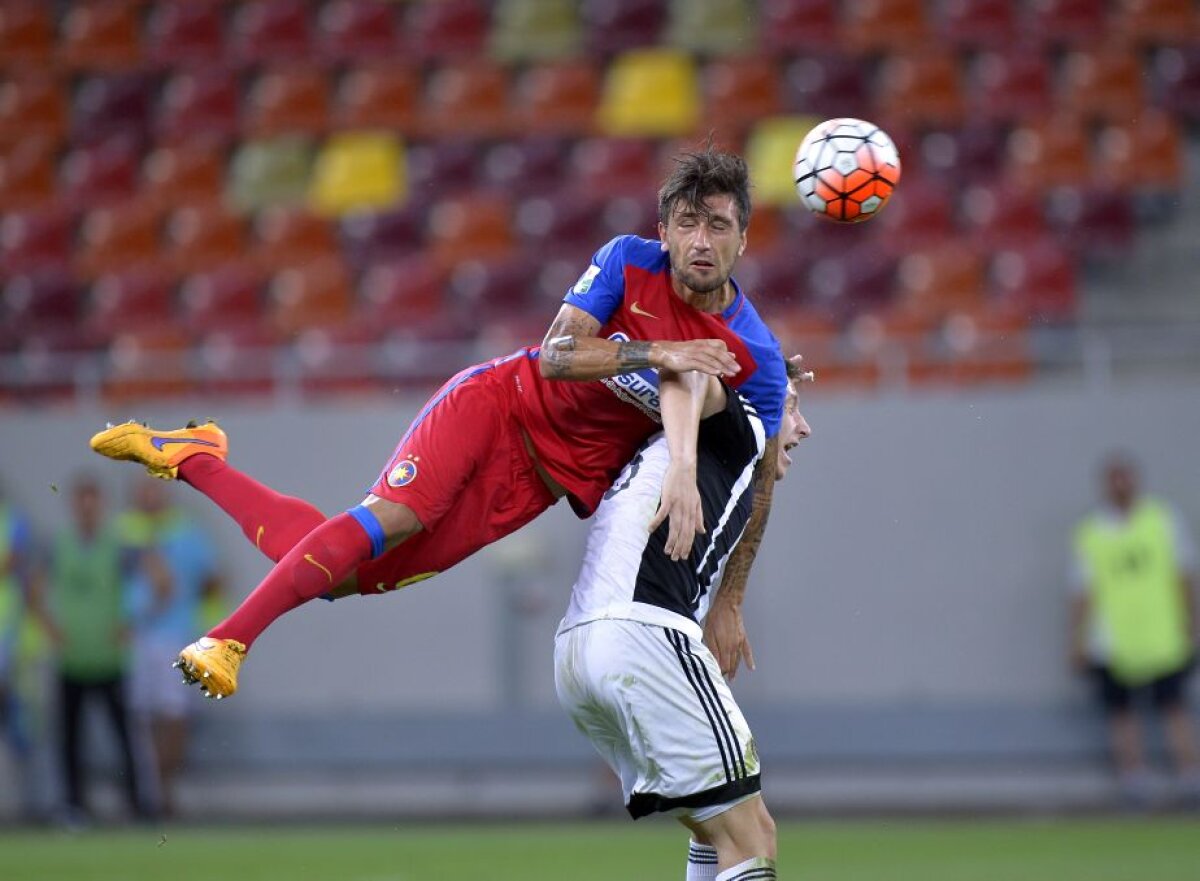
<point>464,470</point>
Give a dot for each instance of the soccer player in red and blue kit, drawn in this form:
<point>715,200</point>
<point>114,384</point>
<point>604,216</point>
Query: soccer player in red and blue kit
<point>502,441</point>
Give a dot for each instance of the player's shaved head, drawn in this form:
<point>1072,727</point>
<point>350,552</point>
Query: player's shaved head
<point>700,174</point>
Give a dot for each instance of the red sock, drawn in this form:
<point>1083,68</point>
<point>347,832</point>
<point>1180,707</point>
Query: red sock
<point>273,522</point>
<point>314,566</point>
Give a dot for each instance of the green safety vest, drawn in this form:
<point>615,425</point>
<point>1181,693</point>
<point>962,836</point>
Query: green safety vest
<point>31,642</point>
<point>1135,591</point>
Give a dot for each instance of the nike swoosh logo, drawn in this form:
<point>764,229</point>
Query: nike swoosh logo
<point>308,558</point>
<point>638,310</point>
<point>160,442</point>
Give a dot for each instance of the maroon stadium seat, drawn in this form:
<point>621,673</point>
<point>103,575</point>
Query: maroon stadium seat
<point>402,290</point>
<point>979,23</point>
<point>32,106</point>
<point>443,167</point>
<point>228,296</point>
<point>966,154</point>
<point>562,223</point>
<point>368,237</point>
<point>484,290</point>
<point>41,301</point>
<point>1093,221</point>
<point>1059,22</point>
<point>1037,280</point>
<point>40,238</point>
<point>446,29</point>
<point>101,35</point>
<point>919,214</point>
<point>1177,80</point>
<point>558,98</point>
<point>129,300</point>
<point>117,104</point>
<point>827,86</point>
<point>353,30</point>
<point>238,360</point>
<point>1000,215</point>
<point>101,173</point>
<point>199,104</point>
<point>787,26</point>
<point>525,167</point>
<point>615,25</point>
<point>615,166</point>
<point>1010,84</point>
<point>26,34</point>
<point>271,31</point>
<point>191,33</point>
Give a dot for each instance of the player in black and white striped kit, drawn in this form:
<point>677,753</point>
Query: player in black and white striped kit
<point>631,667</point>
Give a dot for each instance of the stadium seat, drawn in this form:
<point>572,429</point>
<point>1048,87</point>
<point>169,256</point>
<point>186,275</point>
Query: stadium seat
<point>788,26</point>
<point>979,23</point>
<point>485,290</point>
<point>774,278</point>
<point>199,104</point>
<point>291,236</point>
<point>124,300</point>
<point>933,282</point>
<point>440,168</point>
<point>274,172</point>
<point>100,173</point>
<point>715,27</point>
<point>287,100</point>
<point>470,227</point>
<point>967,154</point>
<point>919,214</point>
<point>1009,85</point>
<point>402,290</point>
<point>842,285</point>
<point>1049,152</point>
<point>117,104</point>
<point>27,175</point>
<point>631,214</point>
<point>1103,83</point>
<point>27,34</point>
<point>227,296</point>
<point>148,363</point>
<point>885,26</point>
<point>40,301</point>
<point>40,238</point>
<point>188,172</point>
<point>338,359</point>
<point>353,30</point>
<point>650,93</point>
<point>615,166</point>
<point>826,86</point>
<point>1000,215</point>
<point>369,237</point>
<point>202,236</point>
<point>238,360</point>
<point>525,167</point>
<point>185,33</point>
<point>1177,80</point>
<point>117,237</point>
<point>467,99</point>
<point>100,36</point>
<point>740,91</point>
<point>314,295</point>
<point>270,31</point>
<point>379,95</point>
<point>1096,222</point>
<point>446,29</point>
<point>563,223</point>
<point>989,345</point>
<point>1147,153</point>
<point>1158,22</point>
<point>358,171</point>
<point>618,25</point>
<point>535,30</point>
<point>1038,281</point>
<point>558,98</point>
<point>920,89</point>
<point>1066,22</point>
<point>770,152</point>
<point>32,106</point>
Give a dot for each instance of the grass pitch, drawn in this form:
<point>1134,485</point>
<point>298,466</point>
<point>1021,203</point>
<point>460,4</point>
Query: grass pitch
<point>1062,850</point>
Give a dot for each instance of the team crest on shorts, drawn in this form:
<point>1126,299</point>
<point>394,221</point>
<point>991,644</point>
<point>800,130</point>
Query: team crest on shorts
<point>403,474</point>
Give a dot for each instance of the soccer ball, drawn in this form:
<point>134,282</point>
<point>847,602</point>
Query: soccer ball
<point>846,170</point>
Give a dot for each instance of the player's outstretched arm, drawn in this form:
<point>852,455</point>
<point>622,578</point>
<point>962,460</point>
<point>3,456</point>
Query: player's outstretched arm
<point>724,631</point>
<point>571,350</point>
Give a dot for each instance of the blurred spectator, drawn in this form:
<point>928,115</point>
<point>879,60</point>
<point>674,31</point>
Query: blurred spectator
<point>1133,621</point>
<point>85,617</point>
<point>172,574</point>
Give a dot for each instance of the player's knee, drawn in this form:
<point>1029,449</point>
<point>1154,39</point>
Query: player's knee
<point>397,520</point>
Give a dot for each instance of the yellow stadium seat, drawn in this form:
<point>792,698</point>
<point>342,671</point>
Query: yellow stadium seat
<point>770,151</point>
<point>715,26</point>
<point>535,30</point>
<point>650,93</point>
<point>358,170</point>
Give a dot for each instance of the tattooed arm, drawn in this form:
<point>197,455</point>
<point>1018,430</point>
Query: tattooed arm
<point>724,631</point>
<point>571,350</point>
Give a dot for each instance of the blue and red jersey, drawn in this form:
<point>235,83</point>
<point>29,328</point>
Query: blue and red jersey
<point>585,432</point>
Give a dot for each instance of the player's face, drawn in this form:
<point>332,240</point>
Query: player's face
<point>704,244</point>
<point>793,430</point>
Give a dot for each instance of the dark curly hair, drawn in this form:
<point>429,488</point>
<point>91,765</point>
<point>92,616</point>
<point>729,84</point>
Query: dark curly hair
<point>703,173</point>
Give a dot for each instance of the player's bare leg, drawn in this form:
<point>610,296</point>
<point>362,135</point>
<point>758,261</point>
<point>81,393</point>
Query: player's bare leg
<point>744,838</point>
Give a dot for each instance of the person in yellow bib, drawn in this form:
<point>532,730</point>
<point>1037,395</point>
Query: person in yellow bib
<point>1134,622</point>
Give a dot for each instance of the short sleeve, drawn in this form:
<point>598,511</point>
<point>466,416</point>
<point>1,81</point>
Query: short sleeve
<point>601,288</point>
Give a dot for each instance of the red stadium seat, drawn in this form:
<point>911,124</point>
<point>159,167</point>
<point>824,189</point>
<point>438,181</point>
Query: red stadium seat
<point>185,33</point>
<point>40,301</point>
<point>776,280</point>
<point>1095,222</point>
<point>395,292</point>
<point>920,89</point>
<point>788,26</point>
<point>27,175</point>
<point>630,214</point>
<point>468,99</point>
<point>443,167</point>
<point>849,283</point>
<point>615,166</point>
<point>351,30</point>
<point>201,104</point>
<point>1158,21</point>
<point>368,237</point>
<point>447,29</point>
<point>131,300</point>
<point>32,106</point>
<point>202,236</point>
<point>740,91</point>
<point>271,31</point>
<point>616,25</point>
<point>827,86</point>
<point>40,238</point>
<point>558,98</point>
<point>1147,153</point>
<point>526,167</point>
<point>1177,75</point>
<point>919,214</point>
<point>934,282</point>
<point>885,25</point>
<point>118,104</point>
<point>1008,85</point>
<point>101,173</point>
<point>967,154</point>
<point>1075,22</point>
<point>291,236</point>
<point>473,227</point>
<point>1038,281</point>
<point>189,172</point>
<point>229,296</point>
<point>148,363</point>
<point>339,359</point>
<point>118,237</point>
<point>26,34</point>
<point>101,36</point>
<point>238,360</point>
<point>287,100</point>
<point>379,95</point>
<point>999,215</point>
<point>979,23</point>
<point>483,290</point>
<point>564,223</point>
<point>314,295</point>
<point>1049,152</point>
<point>1103,83</point>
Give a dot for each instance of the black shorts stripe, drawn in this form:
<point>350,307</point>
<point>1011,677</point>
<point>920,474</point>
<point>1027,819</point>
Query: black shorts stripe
<point>706,683</point>
<point>674,637</point>
<point>755,875</point>
<point>644,803</point>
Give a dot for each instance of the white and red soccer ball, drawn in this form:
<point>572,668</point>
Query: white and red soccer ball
<point>846,170</point>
